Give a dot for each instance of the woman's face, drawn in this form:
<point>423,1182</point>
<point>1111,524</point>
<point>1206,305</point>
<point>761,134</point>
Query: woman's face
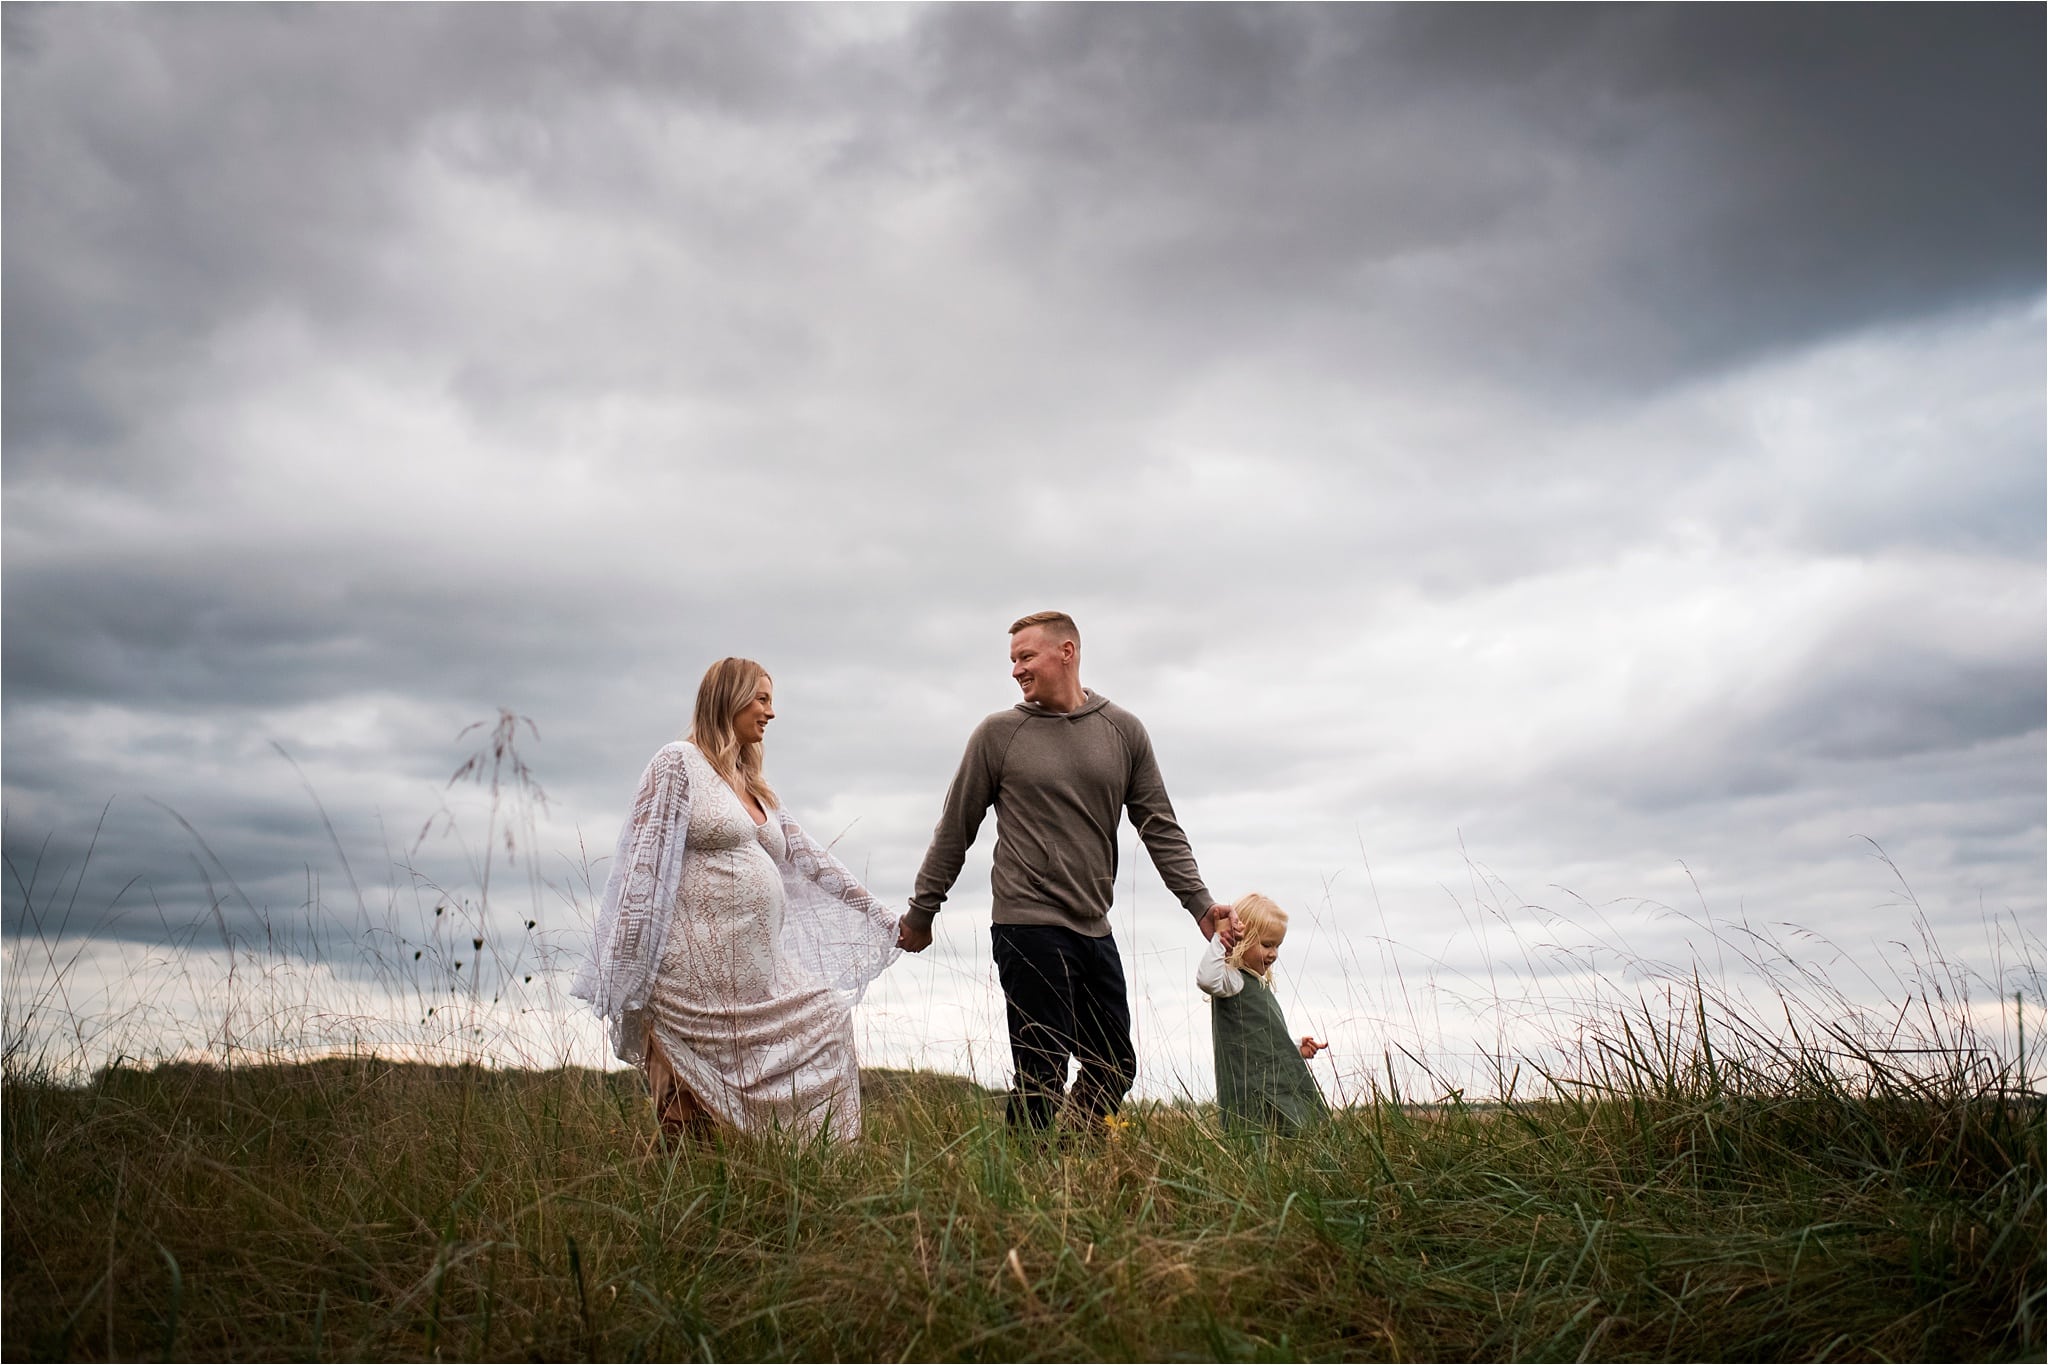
<point>752,721</point>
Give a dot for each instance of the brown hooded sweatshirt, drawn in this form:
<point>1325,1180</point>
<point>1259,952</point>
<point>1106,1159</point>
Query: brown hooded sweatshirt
<point>1058,780</point>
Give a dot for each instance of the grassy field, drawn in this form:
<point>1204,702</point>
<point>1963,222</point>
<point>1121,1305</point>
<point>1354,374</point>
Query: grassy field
<point>1662,1205</point>
<point>1685,1172</point>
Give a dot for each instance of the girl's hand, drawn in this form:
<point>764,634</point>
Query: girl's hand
<point>1220,920</point>
<point>1310,1047</point>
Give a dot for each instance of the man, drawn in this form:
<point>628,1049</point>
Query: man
<point>1060,767</point>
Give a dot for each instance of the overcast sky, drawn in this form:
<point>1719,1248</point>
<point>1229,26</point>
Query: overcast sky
<point>1548,478</point>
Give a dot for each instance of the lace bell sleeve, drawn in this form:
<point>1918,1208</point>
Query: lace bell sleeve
<point>639,901</point>
<point>832,927</point>
<point>1215,975</point>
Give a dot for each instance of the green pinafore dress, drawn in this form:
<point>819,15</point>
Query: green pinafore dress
<point>1261,1080</point>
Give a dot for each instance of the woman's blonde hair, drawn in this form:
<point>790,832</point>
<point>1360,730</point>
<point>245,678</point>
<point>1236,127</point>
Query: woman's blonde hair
<point>1255,914</point>
<point>727,688</point>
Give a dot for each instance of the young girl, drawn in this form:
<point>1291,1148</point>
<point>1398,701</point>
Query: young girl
<point>1262,1078</point>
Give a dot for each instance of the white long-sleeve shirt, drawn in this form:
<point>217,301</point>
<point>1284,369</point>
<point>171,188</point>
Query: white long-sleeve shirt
<point>1215,975</point>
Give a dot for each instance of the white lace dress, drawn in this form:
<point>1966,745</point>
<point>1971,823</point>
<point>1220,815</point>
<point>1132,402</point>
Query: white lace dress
<point>748,987</point>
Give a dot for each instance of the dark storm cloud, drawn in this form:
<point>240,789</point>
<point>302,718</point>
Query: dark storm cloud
<point>205,633</point>
<point>1764,174</point>
<point>174,169</point>
<point>1714,182</point>
<point>1880,168</point>
<point>1922,703</point>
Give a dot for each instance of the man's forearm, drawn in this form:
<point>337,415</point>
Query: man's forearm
<point>1175,861</point>
<point>935,877</point>
<point>1152,812</point>
<point>941,865</point>
<point>960,818</point>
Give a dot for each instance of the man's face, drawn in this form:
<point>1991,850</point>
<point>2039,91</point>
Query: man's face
<point>1040,663</point>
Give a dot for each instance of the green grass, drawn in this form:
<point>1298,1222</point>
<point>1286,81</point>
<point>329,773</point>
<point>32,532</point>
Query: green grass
<point>1707,1171</point>
<point>363,1209</point>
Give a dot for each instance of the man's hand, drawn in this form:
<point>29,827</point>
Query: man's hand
<point>1310,1047</point>
<point>912,940</point>
<point>1218,917</point>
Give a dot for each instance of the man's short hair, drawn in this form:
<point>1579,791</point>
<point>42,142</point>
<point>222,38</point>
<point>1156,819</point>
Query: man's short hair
<point>1057,624</point>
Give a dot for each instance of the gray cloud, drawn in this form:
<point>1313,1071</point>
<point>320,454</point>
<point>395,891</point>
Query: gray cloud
<point>1184,180</point>
<point>1610,434</point>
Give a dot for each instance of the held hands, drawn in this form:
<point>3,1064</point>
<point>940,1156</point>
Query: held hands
<point>1219,920</point>
<point>912,940</point>
<point>1310,1047</point>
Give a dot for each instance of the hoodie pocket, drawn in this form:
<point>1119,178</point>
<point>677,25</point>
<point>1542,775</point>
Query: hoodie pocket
<point>1047,874</point>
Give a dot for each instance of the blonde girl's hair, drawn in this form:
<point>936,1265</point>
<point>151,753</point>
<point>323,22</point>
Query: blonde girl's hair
<point>728,686</point>
<point>1255,914</point>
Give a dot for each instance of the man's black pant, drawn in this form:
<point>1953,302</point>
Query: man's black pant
<point>1065,997</point>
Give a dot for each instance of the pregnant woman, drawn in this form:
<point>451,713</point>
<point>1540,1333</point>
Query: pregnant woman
<point>730,946</point>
